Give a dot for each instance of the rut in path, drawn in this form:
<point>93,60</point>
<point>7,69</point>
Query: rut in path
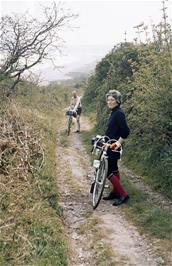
<point>100,237</point>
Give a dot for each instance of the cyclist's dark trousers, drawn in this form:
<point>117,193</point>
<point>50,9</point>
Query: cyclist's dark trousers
<point>112,166</point>
<point>114,176</point>
<point>113,158</point>
<point>79,111</point>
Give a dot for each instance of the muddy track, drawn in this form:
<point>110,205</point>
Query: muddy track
<point>101,237</point>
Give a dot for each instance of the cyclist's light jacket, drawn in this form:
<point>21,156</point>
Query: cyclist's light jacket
<point>76,102</point>
<point>117,126</point>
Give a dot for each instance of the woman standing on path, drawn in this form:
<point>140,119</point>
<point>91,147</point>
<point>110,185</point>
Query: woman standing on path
<point>76,102</point>
<point>118,129</point>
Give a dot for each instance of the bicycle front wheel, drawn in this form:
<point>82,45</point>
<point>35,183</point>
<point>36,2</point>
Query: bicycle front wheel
<point>100,181</point>
<point>69,125</point>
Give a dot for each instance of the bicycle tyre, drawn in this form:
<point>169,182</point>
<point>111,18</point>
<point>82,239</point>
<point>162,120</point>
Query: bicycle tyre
<point>100,181</point>
<point>69,125</point>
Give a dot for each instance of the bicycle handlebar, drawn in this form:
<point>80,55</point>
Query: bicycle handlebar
<point>70,113</point>
<point>99,143</point>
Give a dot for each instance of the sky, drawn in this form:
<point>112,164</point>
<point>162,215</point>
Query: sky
<point>99,26</point>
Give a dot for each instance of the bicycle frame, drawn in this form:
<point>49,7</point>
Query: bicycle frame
<point>101,167</point>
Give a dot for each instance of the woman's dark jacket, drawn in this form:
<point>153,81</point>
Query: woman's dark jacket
<point>117,126</point>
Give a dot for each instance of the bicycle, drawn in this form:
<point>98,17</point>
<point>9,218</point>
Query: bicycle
<point>70,114</point>
<point>101,144</point>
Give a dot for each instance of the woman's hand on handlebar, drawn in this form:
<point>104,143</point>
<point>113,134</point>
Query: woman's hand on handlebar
<point>116,145</point>
<point>106,146</point>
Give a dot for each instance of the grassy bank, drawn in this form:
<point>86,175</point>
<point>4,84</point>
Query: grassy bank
<point>35,236</point>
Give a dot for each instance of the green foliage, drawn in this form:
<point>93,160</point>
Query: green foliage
<point>143,75</point>
<point>89,100</point>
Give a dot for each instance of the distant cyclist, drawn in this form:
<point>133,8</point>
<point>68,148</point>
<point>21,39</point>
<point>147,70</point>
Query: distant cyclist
<point>76,103</point>
<point>118,129</point>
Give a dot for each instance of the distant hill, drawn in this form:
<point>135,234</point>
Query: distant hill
<point>79,60</point>
<point>87,68</point>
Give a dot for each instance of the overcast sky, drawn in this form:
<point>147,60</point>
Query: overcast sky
<point>99,26</point>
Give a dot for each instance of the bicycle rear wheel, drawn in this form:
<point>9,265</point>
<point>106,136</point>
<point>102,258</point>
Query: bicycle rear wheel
<point>69,125</point>
<point>100,181</point>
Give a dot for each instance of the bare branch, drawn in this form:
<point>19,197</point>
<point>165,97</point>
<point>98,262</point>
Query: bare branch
<point>25,41</point>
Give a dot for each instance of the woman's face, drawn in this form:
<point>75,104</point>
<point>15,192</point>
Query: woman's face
<point>111,102</point>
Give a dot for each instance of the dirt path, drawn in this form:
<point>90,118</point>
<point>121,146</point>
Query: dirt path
<point>101,237</point>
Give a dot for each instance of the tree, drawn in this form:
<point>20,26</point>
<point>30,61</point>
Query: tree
<point>26,41</point>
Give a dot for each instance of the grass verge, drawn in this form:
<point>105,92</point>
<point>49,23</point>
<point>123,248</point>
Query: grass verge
<point>38,237</point>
